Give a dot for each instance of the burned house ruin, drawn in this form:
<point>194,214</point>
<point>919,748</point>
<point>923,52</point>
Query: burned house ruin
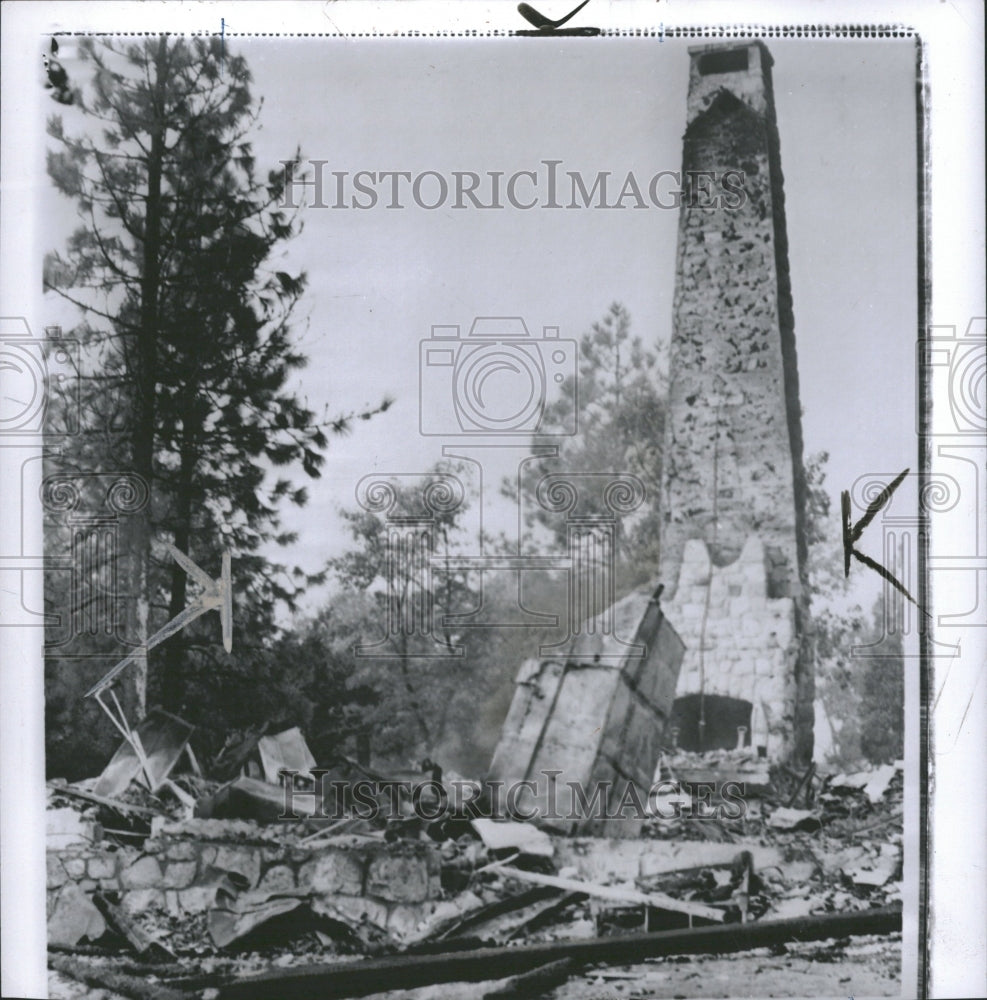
<point>733,544</point>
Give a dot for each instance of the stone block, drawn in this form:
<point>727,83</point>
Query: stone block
<point>239,858</point>
<point>196,898</point>
<point>178,874</point>
<point>333,871</point>
<point>399,878</point>
<point>143,873</point>
<point>183,850</point>
<point>136,901</point>
<point>783,633</point>
<point>739,606</point>
<point>56,875</point>
<point>754,625</point>
<point>296,854</point>
<point>75,867</point>
<point>406,922</point>
<point>102,866</point>
<point>272,855</point>
<point>74,917</point>
<point>280,878</point>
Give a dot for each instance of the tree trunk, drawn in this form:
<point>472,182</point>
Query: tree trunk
<point>172,676</point>
<point>143,437</point>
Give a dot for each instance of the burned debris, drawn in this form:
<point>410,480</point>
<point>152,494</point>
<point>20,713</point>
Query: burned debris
<point>261,875</point>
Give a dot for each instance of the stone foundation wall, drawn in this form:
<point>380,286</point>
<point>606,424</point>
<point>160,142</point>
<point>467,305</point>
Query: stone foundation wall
<point>179,869</point>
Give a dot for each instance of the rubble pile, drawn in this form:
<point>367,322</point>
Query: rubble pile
<point>199,884</point>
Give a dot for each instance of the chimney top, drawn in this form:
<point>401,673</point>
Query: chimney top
<point>743,68</point>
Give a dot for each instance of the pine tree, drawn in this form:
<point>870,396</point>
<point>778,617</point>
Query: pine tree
<point>620,400</point>
<point>187,332</point>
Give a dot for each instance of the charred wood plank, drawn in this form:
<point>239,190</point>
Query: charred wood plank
<point>658,900</point>
<point>498,907</point>
<point>106,979</point>
<point>102,800</point>
<point>328,982</point>
<point>533,983</point>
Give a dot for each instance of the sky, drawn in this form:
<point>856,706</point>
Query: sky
<point>379,279</point>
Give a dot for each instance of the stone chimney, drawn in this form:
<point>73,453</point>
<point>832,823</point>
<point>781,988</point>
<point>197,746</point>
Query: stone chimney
<point>733,543</point>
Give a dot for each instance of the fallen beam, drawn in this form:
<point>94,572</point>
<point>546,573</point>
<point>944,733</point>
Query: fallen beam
<point>615,894</point>
<point>355,979</point>
<point>461,925</point>
<point>534,983</point>
<point>106,979</point>
<point>101,800</point>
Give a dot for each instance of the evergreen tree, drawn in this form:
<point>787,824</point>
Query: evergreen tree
<point>387,599</point>
<point>187,330</point>
<point>619,397</point>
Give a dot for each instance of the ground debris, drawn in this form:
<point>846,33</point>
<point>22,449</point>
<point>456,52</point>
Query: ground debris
<point>120,984</point>
<point>810,845</point>
<point>162,737</point>
<point>794,819</point>
<point>519,838</point>
<point>145,944</point>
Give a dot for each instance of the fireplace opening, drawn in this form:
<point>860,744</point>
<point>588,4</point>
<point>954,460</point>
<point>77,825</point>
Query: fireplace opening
<point>711,722</point>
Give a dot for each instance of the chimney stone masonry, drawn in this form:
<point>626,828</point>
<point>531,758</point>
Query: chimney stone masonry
<point>733,500</point>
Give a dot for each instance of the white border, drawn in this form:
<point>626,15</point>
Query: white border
<point>953,34</point>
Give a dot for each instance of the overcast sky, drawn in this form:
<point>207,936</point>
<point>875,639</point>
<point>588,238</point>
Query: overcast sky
<point>380,278</point>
